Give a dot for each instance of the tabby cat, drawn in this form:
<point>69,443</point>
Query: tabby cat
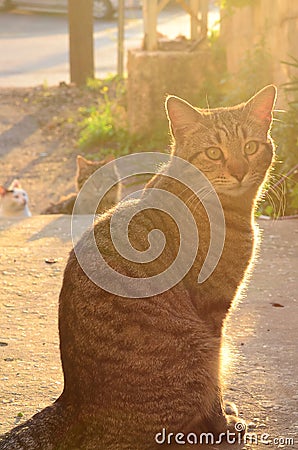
<point>133,367</point>
<point>14,201</point>
<point>85,169</point>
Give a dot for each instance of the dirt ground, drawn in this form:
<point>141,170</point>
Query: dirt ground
<point>38,139</point>
<point>261,336</point>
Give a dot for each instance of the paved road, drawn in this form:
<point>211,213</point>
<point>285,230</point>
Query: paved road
<point>34,47</point>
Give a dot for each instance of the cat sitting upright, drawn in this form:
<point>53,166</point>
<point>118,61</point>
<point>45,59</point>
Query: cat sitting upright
<point>85,168</point>
<point>14,201</point>
<point>138,365</point>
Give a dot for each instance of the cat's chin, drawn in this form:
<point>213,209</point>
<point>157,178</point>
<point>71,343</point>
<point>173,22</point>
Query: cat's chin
<point>241,198</point>
<point>237,191</point>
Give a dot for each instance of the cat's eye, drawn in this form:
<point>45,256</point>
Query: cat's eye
<point>251,147</point>
<point>214,153</point>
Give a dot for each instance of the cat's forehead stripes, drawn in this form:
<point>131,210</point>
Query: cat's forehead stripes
<point>217,137</point>
<point>226,124</point>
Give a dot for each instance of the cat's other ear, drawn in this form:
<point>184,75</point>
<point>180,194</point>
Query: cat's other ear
<point>181,114</point>
<point>3,191</point>
<point>261,105</point>
<point>81,162</point>
<point>15,185</point>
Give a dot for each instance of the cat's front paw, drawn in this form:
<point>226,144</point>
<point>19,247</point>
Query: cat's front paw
<point>234,423</point>
<point>230,409</point>
<point>226,424</point>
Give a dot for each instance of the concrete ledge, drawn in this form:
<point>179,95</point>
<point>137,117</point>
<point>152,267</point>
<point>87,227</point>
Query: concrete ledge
<point>153,75</point>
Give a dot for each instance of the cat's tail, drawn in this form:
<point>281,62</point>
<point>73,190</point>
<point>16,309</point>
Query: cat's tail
<point>46,430</point>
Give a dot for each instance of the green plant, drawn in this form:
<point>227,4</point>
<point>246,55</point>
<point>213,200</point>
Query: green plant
<point>104,129</point>
<point>114,83</point>
<point>230,5</point>
<point>105,122</point>
<point>285,177</point>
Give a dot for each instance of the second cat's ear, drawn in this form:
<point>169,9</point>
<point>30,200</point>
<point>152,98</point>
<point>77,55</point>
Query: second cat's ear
<point>81,162</point>
<point>262,104</point>
<point>181,114</point>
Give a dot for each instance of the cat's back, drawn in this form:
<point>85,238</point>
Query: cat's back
<point>64,206</point>
<point>123,332</point>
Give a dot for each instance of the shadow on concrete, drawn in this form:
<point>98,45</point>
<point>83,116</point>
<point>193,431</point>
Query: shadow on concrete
<point>15,135</point>
<point>59,227</point>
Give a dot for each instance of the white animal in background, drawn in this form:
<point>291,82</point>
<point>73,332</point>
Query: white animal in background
<point>14,201</point>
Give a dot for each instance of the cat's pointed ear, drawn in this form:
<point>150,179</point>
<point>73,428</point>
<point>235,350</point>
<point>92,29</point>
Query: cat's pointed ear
<point>15,185</point>
<point>3,191</point>
<point>261,105</point>
<point>81,162</point>
<point>181,114</point>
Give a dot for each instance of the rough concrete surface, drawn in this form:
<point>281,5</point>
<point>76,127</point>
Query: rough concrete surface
<point>261,334</point>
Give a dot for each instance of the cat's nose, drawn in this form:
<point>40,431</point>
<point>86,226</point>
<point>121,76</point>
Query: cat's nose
<point>238,171</point>
<point>238,175</point>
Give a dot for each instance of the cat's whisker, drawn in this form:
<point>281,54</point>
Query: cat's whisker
<point>272,204</point>
<point>207,103</point>
<point>283,177</point>
<point>200,195</point>
<point>279,110</point>
<point>279,193</point>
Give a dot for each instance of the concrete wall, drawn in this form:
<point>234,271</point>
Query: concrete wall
<point>153,75</point>
<point>277,21</point>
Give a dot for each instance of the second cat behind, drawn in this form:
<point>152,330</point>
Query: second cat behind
<point>86,168</point>
<point>14,201</point>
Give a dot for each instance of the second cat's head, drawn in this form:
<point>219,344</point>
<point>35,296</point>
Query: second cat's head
<point>14,199</point>
<point>85,168</point>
